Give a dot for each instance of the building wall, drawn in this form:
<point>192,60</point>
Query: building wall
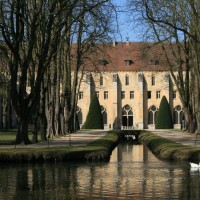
<point>139,84</point>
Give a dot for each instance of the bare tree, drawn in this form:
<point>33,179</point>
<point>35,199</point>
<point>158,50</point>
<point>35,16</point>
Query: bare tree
<point>28,30</point>
<point>92,27</point>
<point>4,93</point>
<point>175,25</point>
<point>86,25</point>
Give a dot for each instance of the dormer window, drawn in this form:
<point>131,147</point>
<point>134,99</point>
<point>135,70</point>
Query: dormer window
<point>154,62</point>
<point>103,62</point>
<point>128,62</point>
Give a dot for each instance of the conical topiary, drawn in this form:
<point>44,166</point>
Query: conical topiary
<point>94,118</point>
<point>164,116</point>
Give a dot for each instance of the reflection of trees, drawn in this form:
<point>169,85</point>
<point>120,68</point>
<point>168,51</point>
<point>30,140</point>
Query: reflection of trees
<point>138,179</point>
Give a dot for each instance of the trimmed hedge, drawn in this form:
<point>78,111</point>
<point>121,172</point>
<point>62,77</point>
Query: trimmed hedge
<point>164,115</point>
<point>94,118</point>
<point>166,149</point>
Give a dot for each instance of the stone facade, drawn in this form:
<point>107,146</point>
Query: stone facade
<point>129,96</point>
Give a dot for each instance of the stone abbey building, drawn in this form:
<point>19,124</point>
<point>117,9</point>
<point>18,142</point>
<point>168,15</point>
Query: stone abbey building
<point>130,83</point>
<point>130,80</point>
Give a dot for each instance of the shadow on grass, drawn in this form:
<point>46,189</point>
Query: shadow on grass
<point>98,150</point>
<point>7,137</point>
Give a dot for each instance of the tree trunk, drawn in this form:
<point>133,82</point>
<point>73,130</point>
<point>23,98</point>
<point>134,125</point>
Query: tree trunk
<point>190,121</point>
<point>22,132</point>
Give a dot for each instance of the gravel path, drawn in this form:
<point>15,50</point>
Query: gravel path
<point>81,138</point>
<point>179,136</point>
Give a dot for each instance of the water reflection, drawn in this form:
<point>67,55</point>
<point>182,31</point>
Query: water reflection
<point>132,173</point>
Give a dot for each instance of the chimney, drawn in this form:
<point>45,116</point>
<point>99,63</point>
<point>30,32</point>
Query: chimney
<point>127,41</point>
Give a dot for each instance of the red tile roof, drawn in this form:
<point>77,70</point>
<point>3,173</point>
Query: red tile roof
<point>143,57</point>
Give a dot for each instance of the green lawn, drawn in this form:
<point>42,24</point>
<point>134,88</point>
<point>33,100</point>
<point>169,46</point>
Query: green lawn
<point>98,150</point>
<point>8,137</point>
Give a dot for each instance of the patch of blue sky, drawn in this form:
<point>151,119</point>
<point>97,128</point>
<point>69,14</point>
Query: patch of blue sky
<point>128,27</point>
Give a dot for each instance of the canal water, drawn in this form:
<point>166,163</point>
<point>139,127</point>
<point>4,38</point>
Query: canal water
<point>132,173</point>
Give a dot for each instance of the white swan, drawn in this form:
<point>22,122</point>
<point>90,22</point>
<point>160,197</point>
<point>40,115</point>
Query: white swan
<point>194,165</point>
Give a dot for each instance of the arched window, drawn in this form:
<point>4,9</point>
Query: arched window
<point>152,114</point>
<point>178,115</point>
<point>79,114</point>
<point>127,116</point>
<point>104,115</point>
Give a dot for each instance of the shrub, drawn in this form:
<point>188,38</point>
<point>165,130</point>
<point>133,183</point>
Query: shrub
<point>94,118</point>
<point>164,116</point>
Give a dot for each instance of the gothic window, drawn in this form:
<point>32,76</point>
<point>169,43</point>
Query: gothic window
<point>152,114</point>
<point>178,115</point>
<point>127,116</point>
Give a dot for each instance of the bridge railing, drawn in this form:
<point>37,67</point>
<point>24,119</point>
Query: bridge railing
<point>127,128</point>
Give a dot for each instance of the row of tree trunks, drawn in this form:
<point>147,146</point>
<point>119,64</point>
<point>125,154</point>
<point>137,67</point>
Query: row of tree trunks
<point>38,39</point>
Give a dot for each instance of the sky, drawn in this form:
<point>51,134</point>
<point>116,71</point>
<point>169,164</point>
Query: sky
<point>128,30</point>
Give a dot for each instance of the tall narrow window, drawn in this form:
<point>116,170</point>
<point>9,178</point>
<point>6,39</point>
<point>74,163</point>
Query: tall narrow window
<point>104,115</point>
<point>97,93</point>
<point>149,94</point>
<point>126,80</point>
<point>131,94</point>
<point>80,95</point>
<point>105,94</point>
<point>101,80</point>
<point>114,77</point>
<point>79,115</point>
<point>153,80</point>
<point>174,94</point>
<point>122,94</point>
<point>157,94</point>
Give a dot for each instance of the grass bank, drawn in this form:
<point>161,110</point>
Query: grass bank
<point>166,149</point>
<point>98,150</point>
